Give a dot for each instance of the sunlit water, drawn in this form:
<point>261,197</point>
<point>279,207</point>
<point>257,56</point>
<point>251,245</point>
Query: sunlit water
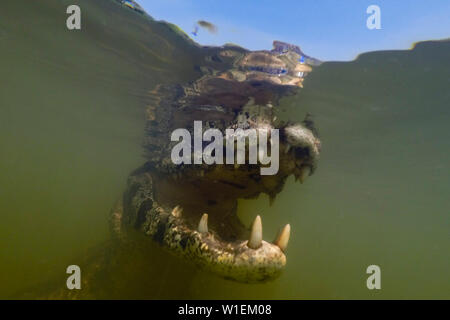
<point>71,129</point>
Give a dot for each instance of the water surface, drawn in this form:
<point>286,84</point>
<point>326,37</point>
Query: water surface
<point>72,108</point>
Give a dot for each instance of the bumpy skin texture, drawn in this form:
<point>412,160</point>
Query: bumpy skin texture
<point>231,260</point>
<point>238,89</point>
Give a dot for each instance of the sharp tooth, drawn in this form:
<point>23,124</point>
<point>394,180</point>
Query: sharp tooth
<point>203,224</point>
<point>283,237</point>
<point>288,147</point>
<point>304,173</point>
<point>256,234</point>
<point>176,212</point>
<point>271,199</point>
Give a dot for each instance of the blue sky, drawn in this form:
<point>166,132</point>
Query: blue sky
<point>325,29</point>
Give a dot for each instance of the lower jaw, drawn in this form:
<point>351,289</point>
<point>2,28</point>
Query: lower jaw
<point>229,260</point>
<point>245,261</point>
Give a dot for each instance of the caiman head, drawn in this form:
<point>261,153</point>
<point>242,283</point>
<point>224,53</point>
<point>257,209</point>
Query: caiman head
<point>191,208</point>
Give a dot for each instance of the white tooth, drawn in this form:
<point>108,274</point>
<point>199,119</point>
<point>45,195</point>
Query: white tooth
<point>288,147</point>
<point>283,237</point>
<point>176,212</point>
<point>203,224</point>
<point>304,173</point>
<point>256,234</point>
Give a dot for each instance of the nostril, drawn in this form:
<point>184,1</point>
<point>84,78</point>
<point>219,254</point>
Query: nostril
<point>302,152</point>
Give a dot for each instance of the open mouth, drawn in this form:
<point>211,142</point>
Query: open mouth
<point>191,208</point>
<point>192,211</point>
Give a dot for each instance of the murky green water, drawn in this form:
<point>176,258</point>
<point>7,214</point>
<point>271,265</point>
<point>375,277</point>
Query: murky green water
<point>71,128</point>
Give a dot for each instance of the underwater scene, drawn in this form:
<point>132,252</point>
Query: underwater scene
<point>165,167</point>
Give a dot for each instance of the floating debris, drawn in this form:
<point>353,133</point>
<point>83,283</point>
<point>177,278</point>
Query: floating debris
<point>208,26</point>
<point>132,5</point>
